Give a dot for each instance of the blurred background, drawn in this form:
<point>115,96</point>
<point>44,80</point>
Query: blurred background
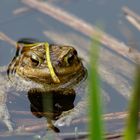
<point>18,20</point>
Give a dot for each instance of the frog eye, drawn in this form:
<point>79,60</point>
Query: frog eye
<point>35,60</point>
<point>69,59</point>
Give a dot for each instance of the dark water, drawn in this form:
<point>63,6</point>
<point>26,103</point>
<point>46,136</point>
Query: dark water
<point>33,23</point>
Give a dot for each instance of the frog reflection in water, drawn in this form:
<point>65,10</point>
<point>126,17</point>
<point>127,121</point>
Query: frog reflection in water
<point>50,104</point>
<point>42,71</point>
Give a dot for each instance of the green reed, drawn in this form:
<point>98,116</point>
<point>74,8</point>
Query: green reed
<point>133,116</point>
<point>95,105</point>
<point>95,111</point>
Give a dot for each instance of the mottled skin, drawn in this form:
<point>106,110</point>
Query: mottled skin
<point>29,70</point>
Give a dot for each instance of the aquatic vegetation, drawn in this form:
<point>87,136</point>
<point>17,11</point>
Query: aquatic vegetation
<point>95,113</point>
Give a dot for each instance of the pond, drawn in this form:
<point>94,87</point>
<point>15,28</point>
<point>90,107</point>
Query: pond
<point>116,71</point>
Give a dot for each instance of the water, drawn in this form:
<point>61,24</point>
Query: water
<point>113,67</point>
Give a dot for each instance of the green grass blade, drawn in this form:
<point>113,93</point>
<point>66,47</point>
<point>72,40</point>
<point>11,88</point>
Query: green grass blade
<point>95,125</point>
<point>133,118</point>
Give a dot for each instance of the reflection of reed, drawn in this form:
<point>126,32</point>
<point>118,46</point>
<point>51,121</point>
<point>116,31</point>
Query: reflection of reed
<point>132,17</point>
<point>80,25</point>
<point>30,126</point>
<point>21,10</point>
<point>108,116</point>
<point>7,39</point>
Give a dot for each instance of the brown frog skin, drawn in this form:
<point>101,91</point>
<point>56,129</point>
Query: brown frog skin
<point>29,69</point>
<point>31,64</point>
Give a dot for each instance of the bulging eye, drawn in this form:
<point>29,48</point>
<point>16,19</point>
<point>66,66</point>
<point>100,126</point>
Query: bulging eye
<point>35,60</point>
<point>69,59</point>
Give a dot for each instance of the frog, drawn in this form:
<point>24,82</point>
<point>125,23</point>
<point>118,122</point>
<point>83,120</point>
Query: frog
<point>40,67</point>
